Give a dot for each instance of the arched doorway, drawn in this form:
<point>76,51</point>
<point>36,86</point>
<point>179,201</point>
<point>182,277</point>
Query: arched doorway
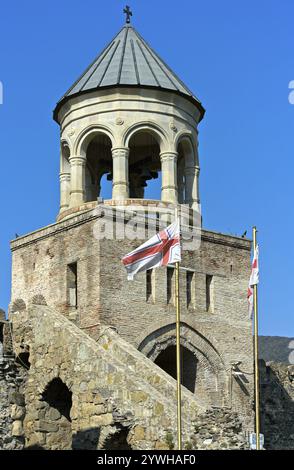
<point>211,378</point>
<point>54,415</point>
<point>166,360</point>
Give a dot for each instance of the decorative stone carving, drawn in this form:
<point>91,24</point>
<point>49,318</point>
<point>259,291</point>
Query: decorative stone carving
<point>119,121</point>
<point>39,299</point>
<point>172,126</point>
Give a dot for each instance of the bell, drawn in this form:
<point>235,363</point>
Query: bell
<point>146,174</point>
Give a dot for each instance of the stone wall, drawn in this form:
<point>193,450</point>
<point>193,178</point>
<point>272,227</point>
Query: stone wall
<point>86,394</point>
<point>277,404</point>
<point>12,404</point>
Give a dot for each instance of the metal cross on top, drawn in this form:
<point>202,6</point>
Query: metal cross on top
<point>128,12</point>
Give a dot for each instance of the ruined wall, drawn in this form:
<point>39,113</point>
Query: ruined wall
<point>12,403</point>
<point>277,405</point>
<point>105,389</point>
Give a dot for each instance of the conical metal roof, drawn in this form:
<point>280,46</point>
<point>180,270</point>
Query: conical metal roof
<point>128,61</point>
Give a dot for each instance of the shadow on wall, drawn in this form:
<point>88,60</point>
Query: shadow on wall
<point>118,441</point>
<point>86,439</point>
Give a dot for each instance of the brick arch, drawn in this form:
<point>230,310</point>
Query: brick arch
<point>18,305</point>
<point>212,376</point>
<point>39,299</point>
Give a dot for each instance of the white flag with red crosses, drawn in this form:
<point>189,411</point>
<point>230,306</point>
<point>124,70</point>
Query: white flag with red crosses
<point>162,249</point>
<point>253,281</point>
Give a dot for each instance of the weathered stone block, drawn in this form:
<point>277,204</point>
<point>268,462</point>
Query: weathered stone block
<point>102,420</point>
<point>17,412</point>
<point>160,445</point>
<point>17,398</point>
<point>53,414</point>
<point>139,396</point>
<point>17,429</point>
<point>46,426</point>
<point>138,433</point>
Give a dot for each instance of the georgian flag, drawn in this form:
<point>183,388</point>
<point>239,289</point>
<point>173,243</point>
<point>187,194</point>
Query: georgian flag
<point>253,281</point>
<point>162,249</point>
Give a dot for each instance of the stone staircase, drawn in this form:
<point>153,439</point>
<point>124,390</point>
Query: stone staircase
<point>113,385</point>
<point>150,374</point>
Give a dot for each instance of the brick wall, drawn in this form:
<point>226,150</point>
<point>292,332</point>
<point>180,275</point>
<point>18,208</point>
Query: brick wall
<point>216,337</point>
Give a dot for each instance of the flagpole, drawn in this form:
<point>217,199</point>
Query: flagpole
<point>256,370</point>
<point>178,351</point>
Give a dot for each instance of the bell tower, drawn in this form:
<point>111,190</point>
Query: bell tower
<point>128,117</point>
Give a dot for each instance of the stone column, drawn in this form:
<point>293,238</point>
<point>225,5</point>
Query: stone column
<point>192,186</point>
<point>64,191</point>
<point>120,183</point>
<point>169,190</point>
<point>181,188</point>
<point>78,185</point>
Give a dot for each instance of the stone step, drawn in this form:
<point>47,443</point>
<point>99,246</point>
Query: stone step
<point>150,372</point>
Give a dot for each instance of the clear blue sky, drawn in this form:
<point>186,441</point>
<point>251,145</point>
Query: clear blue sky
<point>236,56</point>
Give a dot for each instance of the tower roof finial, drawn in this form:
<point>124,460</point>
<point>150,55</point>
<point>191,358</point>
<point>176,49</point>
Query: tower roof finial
<point>128,13</point>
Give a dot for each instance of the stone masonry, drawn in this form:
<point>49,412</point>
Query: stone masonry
<point>118,390</point>
<point>12,382</point>
<point>216,338</point>
<point>277,405</point>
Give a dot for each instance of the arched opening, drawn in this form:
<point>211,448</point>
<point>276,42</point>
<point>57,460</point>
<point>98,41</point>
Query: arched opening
<point>166,360</point>
<point>204,361</point>
<point>23,359</point>
<point>65,154</point>
<point>118,441</point>
<point>144,166</point>
<point>98,172</point>
<point>65,176</point>
<point>54,415</point>
<point>186,175</point>
<point>106,186</point>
